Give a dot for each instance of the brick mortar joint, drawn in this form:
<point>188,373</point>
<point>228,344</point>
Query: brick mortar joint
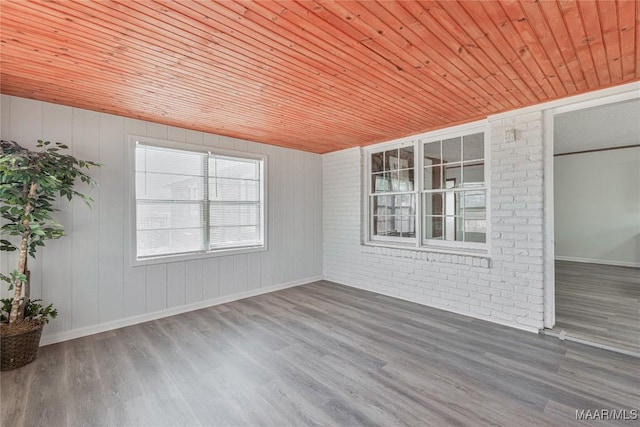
<point>479,261</point>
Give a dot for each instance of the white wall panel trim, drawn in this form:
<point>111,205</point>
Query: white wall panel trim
<point>134,320</point>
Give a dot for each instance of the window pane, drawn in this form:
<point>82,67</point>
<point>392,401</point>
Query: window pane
<point>405,180</point>
<point>433,228</point>
<point>406,158</point>
<point>387,226</point>
<point>395,180</point>
<point>452,150</point>
<point>378,225</point>
<point>433,204</point>
<point>381,182</point>
<point>432,155</point>
<point>452,176</point>
<point>163,242</point>
<point>164,160</point>
<point>234,168</point>
<point>433,178</point>
<point>475,203</point>
<point>473,147</point>
<point>473,174</point>
<point>475,231</point>
<point>453,228</point>
<point>169,215</point>
<point>234,236</point>
<point>453,202</point>
<point>383,205</point>
<point>234,214</point>
<point>171,192</point>
<point>391,160</point>
<point>404,205</point>
<point>393,224</point>
<point>230,189</point>
<point>159,186</point>
<point>408,226</point>
<point>377,162</point>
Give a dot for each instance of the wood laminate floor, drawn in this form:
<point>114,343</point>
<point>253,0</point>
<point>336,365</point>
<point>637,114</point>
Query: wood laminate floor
<point>319,354</point>
<point>599,303</point>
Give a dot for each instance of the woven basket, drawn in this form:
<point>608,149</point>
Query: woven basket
<point>19,343</point>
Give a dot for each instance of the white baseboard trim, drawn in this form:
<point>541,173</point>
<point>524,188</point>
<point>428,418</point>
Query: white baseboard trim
<point>134,320</point>
<point>526,328</point>
<point>598,261</point>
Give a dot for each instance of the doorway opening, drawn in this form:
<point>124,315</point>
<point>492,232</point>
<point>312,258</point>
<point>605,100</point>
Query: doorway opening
<point>596,225</point>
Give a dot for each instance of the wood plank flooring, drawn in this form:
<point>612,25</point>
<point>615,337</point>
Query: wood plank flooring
<point>599,303</point>
<point>319,354</point>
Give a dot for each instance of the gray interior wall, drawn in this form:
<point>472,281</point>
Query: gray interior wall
<point>87,274</point>
<point>597,207</point>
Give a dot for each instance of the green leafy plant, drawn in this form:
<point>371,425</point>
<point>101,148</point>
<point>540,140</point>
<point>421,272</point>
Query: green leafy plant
<point>33,310</point>
<point>30,182</point>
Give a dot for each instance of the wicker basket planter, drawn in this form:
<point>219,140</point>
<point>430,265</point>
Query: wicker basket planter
<point>19,343</point>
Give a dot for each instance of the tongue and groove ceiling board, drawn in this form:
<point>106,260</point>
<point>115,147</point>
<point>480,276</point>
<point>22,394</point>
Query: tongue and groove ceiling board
<point>314,75</point>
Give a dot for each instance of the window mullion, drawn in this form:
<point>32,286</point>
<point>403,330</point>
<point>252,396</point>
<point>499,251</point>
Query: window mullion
<point>206,233</point>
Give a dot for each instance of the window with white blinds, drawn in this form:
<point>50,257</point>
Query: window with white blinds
<point>190,202</point>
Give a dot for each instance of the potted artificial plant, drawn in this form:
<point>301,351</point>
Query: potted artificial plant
<point>30,181</point>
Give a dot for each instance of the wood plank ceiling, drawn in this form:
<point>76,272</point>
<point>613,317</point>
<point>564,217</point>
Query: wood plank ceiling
<point>314,75</point>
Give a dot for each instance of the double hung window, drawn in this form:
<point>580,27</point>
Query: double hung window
<point>429,193</point>
<point>192,202</point>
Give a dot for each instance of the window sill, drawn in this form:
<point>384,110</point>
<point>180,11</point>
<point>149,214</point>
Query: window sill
<point>471,258</point>
<point>167,259</point>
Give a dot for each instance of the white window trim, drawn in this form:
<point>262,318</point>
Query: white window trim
<point>133,140</point>
<point>448,247</point>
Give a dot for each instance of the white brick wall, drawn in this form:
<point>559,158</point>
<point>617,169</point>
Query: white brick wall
<point>505,288</point>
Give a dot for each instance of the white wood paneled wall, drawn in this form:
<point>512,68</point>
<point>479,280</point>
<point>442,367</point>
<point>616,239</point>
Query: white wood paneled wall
<point>87,274</point>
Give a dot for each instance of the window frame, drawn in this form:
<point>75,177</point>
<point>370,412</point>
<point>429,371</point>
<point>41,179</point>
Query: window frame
<point>133,141</point>
<point>417,242</point>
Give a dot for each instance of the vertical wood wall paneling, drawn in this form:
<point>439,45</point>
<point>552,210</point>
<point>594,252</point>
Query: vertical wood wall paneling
<point>299,181</point>
<point>210,278</point>
<point>156,287</point>
<point>112,190</point>
<point>135,278</point>
<point>176,134</point>
<point>155,130</point>
<point>26,129</point>
<point>306,208</point>
<point>5,116</point>
<point>85,250</point>
<point>210,140</point>
<point>240,268</point>
<point>56,263</point>
<point>226,275</point>
<point>176,284</point>
<point>289,220</point>
<point>194,281</point>
<point>278,211</point>
<point>254,271</point>
<point>193,137</point>
<point>91,271</point>
<point>317,222</point>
